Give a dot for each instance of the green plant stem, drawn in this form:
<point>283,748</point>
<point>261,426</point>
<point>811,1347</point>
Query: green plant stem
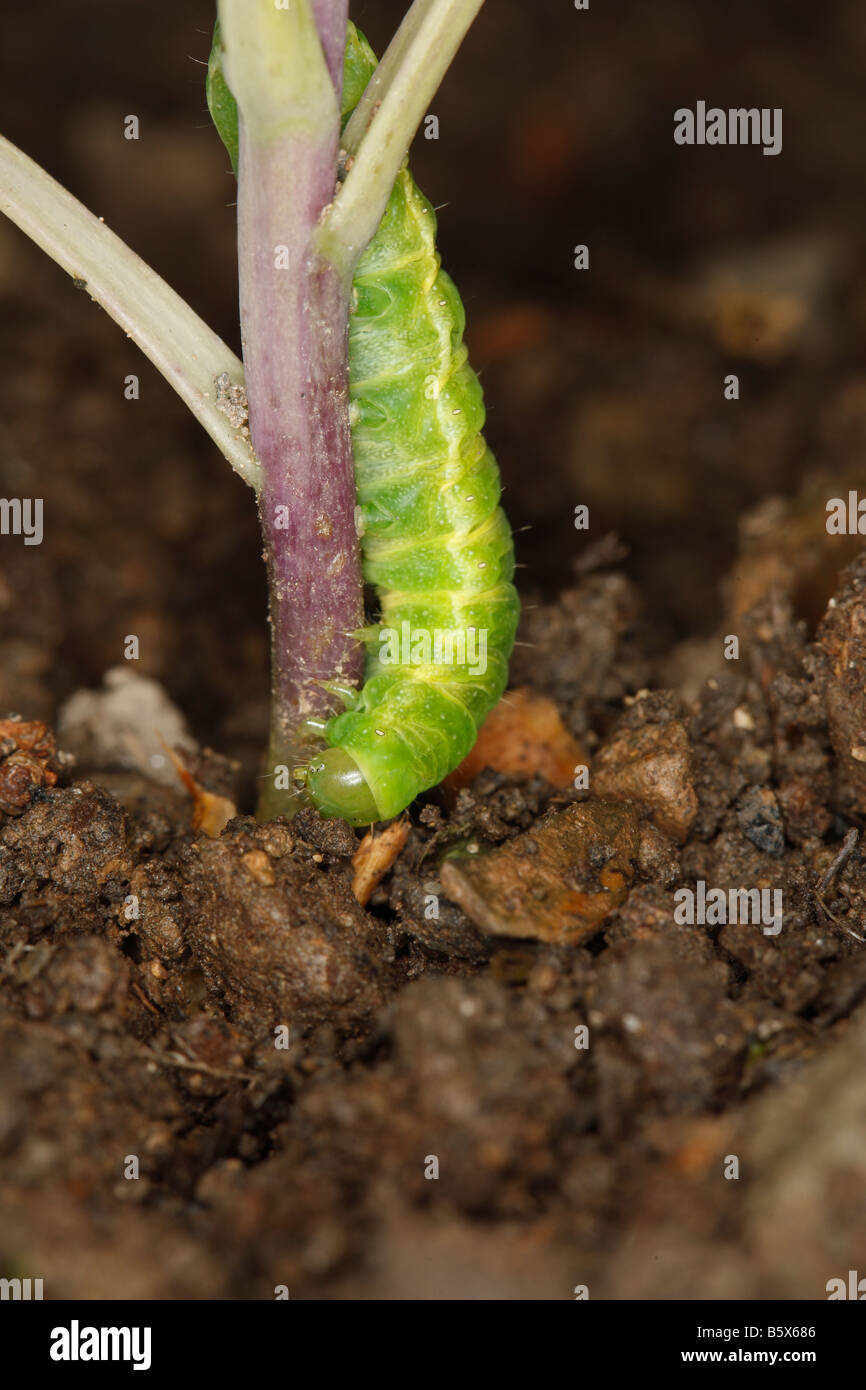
<point>188,353</point>
<point>386,119</point>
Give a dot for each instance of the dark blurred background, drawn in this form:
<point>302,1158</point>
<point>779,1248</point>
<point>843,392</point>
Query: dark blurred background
<point>604,386</point>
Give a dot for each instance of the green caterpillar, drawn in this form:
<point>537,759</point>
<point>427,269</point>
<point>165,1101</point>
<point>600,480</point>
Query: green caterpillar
<point>436,545</point>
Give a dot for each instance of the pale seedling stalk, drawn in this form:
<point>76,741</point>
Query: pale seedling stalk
<point>384,122</point>
<point>188,353</point>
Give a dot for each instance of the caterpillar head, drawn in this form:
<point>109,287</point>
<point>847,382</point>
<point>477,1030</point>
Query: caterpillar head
<point>337,787</point>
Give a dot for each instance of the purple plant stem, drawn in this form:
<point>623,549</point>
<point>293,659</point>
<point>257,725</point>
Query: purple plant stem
<point>293,323</point>
<point>331,16</point>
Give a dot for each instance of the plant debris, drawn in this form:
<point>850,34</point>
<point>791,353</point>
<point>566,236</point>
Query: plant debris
<point>522,737</point>
<point>374,857</point>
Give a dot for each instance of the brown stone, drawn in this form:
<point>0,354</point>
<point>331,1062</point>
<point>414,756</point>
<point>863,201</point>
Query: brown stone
<point>841,651</point>
<point>652,766</point>
<point>556,884</point>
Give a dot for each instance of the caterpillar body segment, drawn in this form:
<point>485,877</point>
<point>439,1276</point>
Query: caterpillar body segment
<point>436,545</point>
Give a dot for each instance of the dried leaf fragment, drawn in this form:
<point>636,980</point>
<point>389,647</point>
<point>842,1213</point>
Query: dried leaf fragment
<point>523,736</point>
<point>374,857</point>
<point>211,812</point>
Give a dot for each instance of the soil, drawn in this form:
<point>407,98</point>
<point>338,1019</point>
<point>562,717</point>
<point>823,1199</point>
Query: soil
<point>221,1074</point>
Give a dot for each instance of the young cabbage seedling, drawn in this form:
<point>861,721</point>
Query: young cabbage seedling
<point>364,442</point>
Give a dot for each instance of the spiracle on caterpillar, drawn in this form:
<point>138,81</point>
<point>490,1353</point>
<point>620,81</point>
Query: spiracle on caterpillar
<point>435,543</point>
